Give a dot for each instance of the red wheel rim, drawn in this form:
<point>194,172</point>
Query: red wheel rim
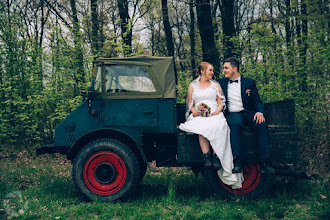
<point>110,162</point>
<point>252,177</point>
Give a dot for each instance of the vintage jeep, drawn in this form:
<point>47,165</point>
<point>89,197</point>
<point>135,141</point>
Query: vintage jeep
<point>131,118</point>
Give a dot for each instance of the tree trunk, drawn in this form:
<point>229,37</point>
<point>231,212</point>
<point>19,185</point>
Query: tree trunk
<point>95,27</point>
<point>101,32</point>
<point>271,7</point>
<point>192,36</point>
<point>126,28</point>
<point>288,32</point>
<point>228,27</point>
<point>204,20</point>
<point>79,56</point>
<point>276,58</point>
<point>298,25</point>
<point>303,46</point>
<point>287,23</point>
<point>167,28</point>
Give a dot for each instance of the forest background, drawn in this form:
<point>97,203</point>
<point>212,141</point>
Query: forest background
<point>47,48</point>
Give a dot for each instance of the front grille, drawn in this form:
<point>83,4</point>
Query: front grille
<point>71,137</point>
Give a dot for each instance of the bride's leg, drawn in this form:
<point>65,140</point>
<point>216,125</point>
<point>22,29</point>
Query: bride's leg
<point>205,146</point>
<point>204,143</point>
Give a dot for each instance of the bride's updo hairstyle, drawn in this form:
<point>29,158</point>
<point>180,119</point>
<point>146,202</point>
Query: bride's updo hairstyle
<point>202,66</point>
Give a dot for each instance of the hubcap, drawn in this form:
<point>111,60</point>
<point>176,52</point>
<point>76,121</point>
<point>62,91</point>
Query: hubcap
<point>252,178</point>
<point>105,173</point>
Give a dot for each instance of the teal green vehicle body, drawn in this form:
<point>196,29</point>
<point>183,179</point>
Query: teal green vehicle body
<point>127,115</point>
<point>131,117</point>
<point>148,120</point>
<point>127,118</point>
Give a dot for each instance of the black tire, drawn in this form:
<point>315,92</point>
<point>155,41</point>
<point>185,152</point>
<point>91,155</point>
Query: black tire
<point>255,183</point>
<point>143,170</point>
<point>106,170</point>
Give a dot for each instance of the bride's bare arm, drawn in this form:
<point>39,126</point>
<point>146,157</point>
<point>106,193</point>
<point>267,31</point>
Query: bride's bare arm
<point>219,101</point>
<point>220,107</point>
<point>190,101</point>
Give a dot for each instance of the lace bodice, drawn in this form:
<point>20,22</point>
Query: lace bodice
<point>207,95</point>
<point>204,95</point>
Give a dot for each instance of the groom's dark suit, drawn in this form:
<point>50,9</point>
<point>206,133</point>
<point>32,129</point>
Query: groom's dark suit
<point>236,120</point>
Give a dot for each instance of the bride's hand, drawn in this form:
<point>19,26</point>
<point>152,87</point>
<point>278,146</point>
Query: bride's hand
<point>195,113</point>
<point>215,113</point>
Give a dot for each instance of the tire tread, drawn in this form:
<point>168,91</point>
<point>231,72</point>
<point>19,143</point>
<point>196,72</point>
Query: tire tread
<point>130,159</point>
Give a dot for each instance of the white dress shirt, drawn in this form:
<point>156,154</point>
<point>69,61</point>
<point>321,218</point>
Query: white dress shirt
<point>235,103</point>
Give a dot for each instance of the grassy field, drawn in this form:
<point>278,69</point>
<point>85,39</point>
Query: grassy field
<point>47,192</point>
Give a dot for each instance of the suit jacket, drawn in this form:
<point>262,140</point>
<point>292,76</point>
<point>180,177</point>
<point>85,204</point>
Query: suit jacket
<point>249,92</point>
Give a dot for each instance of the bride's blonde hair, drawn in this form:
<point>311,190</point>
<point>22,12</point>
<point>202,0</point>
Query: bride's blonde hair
<point>202,66</point>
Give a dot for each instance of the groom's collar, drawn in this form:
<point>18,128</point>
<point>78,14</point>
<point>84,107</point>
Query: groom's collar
<point>239,78</point>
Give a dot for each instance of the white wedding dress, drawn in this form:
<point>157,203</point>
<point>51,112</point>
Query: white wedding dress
<point>215,129</point>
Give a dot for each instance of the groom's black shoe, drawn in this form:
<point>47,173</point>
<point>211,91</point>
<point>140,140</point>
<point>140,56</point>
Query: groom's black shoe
<point>207,160</point>
<point>237,166</point>
<point>216,162</point>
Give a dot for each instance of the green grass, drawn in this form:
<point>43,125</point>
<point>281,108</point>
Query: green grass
<point>46,187</point>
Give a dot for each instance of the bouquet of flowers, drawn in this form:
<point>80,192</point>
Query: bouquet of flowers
<point>204,110</point>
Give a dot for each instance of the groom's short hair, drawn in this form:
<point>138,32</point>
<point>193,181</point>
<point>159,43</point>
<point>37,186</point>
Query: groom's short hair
<point>233,61</point>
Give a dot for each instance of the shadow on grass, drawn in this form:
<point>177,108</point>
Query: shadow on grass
<point>290,187</point>
<point>58,188</point>
<point>170,186</point>
<point>181,188</point>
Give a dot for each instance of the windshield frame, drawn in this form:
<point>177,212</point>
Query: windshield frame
<point>103,94</point>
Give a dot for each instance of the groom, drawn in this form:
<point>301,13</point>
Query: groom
<point>244,107</point>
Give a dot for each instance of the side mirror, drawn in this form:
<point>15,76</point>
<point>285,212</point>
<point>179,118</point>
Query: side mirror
<point>91,92</point>
<point>90,97</point>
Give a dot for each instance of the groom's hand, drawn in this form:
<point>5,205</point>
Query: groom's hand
<point>259,118</point>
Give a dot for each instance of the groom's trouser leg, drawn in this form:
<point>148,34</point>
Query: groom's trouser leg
<point>262,136</point>
<point>236,123</point>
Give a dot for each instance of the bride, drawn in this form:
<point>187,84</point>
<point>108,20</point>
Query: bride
<point>206,102</point>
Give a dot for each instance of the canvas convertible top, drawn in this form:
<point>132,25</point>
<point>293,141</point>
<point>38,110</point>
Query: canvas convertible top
<point>160,70</point>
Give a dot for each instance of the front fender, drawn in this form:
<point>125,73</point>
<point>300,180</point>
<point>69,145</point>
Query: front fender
<point>131,139</point>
